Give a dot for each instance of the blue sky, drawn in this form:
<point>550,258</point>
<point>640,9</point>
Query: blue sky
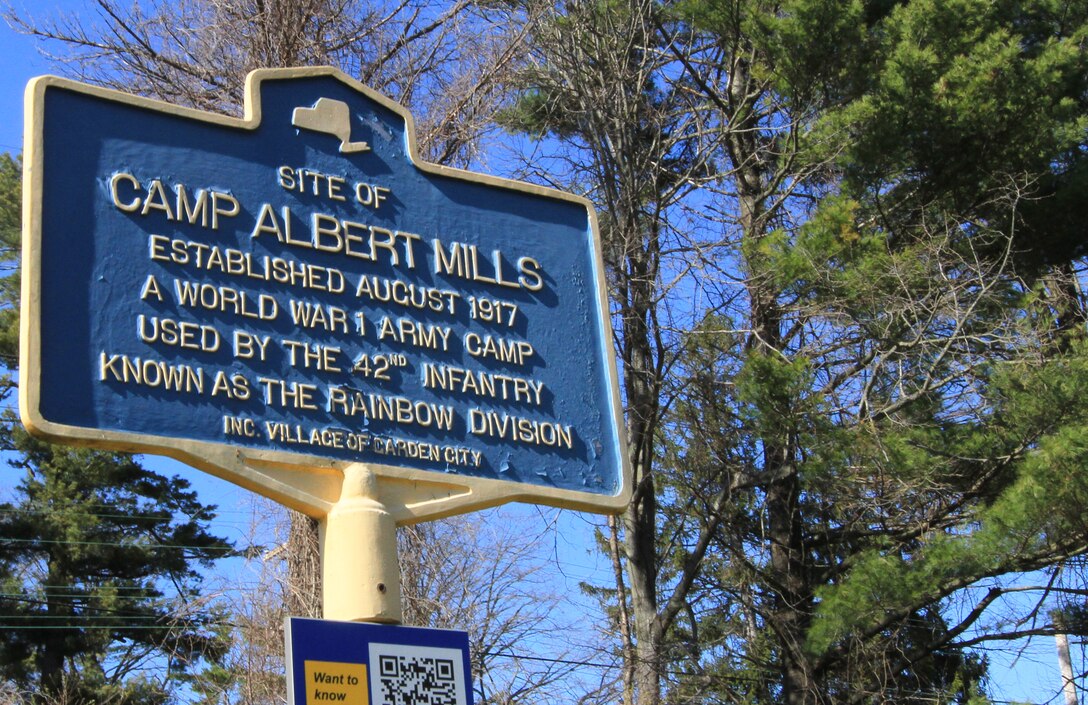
<point>1030,676</point>
<point>20,62</point>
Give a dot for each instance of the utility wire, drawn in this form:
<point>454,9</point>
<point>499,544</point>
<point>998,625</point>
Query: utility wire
<point>117,544</point>
<point>500,654</point>
<point>46,509</point>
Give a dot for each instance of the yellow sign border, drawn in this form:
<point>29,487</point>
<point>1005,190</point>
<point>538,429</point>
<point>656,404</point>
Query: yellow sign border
<point>306,483</point>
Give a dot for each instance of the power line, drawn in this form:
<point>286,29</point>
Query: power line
<point>93,627</point>
<point>112,614</point>
<point>493,654</point>
<point>91,593</point>
<point>117,544</point>
<point>46,509</point>
<point>161,518</point>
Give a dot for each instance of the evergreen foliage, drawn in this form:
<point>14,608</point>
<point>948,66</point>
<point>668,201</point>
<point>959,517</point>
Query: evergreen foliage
<point>872,417</point>
<point>101,563</point>
<point>101,559</point>
<point>845,245</point>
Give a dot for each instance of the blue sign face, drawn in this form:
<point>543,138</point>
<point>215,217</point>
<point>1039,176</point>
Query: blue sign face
<point>296,283</point>
<point>375,664</point>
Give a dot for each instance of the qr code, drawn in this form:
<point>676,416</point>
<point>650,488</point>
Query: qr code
<point>416,675</point>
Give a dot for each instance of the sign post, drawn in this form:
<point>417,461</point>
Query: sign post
<point>295,302</point>
<point>360,579</point>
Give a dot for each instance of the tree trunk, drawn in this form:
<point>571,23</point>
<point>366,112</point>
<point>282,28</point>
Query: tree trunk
<point>1069,687</point>
<point>303,589</point>
<point>753,164</point>
<point>627,643</point>
<point>793,602</point>
<point>642,385</point>
<point>50,660</point>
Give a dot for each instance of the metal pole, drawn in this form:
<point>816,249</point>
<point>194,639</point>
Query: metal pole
<point>359,570</point>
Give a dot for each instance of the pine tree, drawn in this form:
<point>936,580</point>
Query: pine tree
<point>100,558</point>
<point>872,402</point>
<point>101,562</point>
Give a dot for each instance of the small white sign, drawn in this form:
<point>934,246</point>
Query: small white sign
<point>416,674</point>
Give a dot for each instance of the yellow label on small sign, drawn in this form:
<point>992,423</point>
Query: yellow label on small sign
<point>335,682</point>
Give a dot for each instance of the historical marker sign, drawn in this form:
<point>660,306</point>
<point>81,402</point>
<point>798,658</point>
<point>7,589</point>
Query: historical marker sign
<point>296,290</point>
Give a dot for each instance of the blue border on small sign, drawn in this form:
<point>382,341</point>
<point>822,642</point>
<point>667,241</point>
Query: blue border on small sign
<point>400,662</point>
